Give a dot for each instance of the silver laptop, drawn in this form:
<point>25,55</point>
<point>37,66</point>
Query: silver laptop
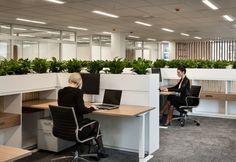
<point>111,99</point>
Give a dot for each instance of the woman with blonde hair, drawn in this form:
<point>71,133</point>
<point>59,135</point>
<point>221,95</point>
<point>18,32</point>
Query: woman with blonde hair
<point>72,96</point>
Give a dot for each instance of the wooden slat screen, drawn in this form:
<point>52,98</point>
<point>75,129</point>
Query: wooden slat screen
<point>206,50</point>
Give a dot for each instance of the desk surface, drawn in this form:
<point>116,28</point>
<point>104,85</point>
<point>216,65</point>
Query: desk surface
<point>167,93</point>
<point>9,153</point>
<point>123,110</point>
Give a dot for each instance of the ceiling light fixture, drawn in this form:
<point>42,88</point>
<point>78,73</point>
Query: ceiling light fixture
<point>210,4</point>
<point>228,18</point>
<point>197,37</point>
<point>7,27</point>
<point>168,30</point>
<point>132,36</point>
<point>19,29</point>
<point>32,21</point>
<point>151,39</point>
<point>184,34</point>
<point>56,1</point>
<point>105,14</point>
<point>142,23</point>
<point>107,33</point>
<point>77,28</point>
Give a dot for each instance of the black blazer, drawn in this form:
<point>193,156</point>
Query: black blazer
<point>73,97</point>
<point>184,90</point>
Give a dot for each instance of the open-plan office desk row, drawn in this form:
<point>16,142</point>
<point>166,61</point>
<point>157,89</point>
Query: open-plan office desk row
<point>129,111</point>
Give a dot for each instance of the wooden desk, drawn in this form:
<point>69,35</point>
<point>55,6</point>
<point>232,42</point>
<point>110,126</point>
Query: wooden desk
<point>9,154</point>
<point>39,104</point>
<point>167,93</point>
<point>122,111</point>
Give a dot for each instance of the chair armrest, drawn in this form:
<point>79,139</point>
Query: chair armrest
<point>86,125</point>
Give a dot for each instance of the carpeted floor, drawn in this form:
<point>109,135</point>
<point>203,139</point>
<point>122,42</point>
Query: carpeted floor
<point>213,141</point>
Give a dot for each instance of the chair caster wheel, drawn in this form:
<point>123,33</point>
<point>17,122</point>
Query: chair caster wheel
<point>197,124</point>
<point>182,123</point>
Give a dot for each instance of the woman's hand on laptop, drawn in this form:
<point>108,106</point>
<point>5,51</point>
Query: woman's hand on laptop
<point>94,107</point>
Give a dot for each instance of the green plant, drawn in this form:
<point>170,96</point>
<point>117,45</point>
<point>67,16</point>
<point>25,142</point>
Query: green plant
<point>95,67</point>
<point>74,65</point>
<point>128,63</point>
<point>140,65</point>
<point>40,65</point>
<point>159,63</point>
<point>204,64</point>
<point>220,64</point>
<point>56,65</point>
<point>174,63</point>
<point>116,66</point>
<point>234,64</point>
<point>2,69</point>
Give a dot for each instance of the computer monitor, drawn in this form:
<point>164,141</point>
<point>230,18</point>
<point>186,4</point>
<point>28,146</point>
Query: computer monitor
<point>157,71</point>
<point>91,83</point>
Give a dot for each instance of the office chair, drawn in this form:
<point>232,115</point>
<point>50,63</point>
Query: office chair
<point>191,102</point>
<point>66,127</point>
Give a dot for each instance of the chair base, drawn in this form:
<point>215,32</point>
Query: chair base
<point>77,157</point>
<point>184,117</point>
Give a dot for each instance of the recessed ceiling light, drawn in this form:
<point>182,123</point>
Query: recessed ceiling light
<point>56,1</point>
<point>25,35</point>
<point>19,29</point>
<point>51,32</point>
<point>197,37</point>
<point>142,23</point>
<point>210,4</point>
<point>32,21</point>
<point>77,28</point>
<point>7,27</point>
<point>168,30</point>
<point>107,33</point>
<point>105,14</point>
<point>151,39</point>
<point>133,36</point>
<point>228,18</point>
<point>184,34</point>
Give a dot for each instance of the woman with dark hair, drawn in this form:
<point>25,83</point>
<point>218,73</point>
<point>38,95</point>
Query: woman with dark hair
<point>174,101</point>
<point>72,96</point>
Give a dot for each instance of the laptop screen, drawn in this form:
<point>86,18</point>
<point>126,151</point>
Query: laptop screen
<point>112,96</point>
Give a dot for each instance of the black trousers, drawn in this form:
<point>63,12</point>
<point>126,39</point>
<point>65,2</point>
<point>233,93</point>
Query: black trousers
<point>89,131</point>
<point>176,101</point>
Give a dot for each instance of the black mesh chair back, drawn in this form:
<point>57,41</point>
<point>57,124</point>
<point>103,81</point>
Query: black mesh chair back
<point>64,122</point>
<point>195,90</point>
<point>195,93</point>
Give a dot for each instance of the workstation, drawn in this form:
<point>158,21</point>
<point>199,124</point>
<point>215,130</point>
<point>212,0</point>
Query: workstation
<point>134,47</point>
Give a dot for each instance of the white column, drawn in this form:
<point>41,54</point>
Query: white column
<point>117,45</point>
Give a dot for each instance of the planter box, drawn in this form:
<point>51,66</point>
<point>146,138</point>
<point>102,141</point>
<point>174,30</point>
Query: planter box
<point>12,84</point>
<point>201,74</point>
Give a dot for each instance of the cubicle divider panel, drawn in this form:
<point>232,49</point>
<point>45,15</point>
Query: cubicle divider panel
<point>140,90</point>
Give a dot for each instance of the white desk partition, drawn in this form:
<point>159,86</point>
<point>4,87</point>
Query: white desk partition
<point>122,132</point>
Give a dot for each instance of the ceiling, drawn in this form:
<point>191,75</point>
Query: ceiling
<point>193,17</point>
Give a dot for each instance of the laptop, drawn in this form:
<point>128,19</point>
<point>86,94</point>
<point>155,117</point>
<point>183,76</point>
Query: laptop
<point>111,99</point>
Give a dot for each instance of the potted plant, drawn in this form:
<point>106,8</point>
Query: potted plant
<point>40,65</point>
<point>140,65</point>
<point>94,67</point>
<point>74,65</point>
<point>159,63</point>
<point>56,65</point>
<point>116,66</point>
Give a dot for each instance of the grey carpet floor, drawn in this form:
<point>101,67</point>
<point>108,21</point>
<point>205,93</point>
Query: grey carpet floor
<point>213,141</point>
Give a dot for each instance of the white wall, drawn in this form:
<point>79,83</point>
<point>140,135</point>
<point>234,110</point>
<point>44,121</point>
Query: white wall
<point>84,52</point>
<point>96,53</point>
<point>30,51</point>
<point>48,50</point>
<point>106,53</point>
<point>68,51</point>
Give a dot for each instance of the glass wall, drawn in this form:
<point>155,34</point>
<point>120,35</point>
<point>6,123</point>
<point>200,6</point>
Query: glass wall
<point>101,47</point>
<point>146,50</point>
<point>83,48</point>
<point>4,49</point>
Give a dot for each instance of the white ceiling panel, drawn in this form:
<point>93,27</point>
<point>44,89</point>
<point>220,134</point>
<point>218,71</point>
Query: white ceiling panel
<point>193,16</point>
